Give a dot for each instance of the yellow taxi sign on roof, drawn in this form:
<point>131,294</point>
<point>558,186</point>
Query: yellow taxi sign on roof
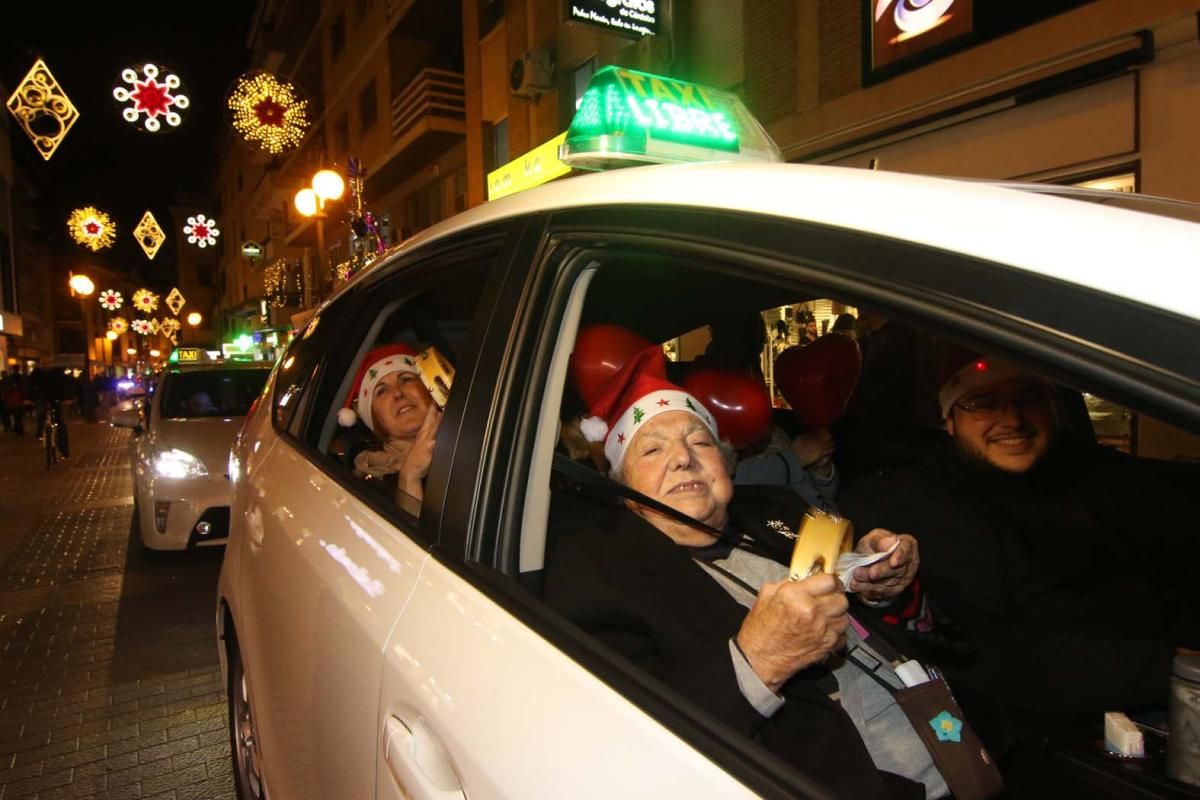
<point>189,355</point>
<point>628,117</point>
<point>539,165</point>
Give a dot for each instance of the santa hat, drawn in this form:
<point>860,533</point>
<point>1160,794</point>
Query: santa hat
<point>964,372</point>
<point>379,363</point>
<point>635,395</point>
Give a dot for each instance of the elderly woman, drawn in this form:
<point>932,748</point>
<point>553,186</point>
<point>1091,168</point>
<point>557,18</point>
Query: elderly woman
<point>390,399</point>
<point>711,611</point>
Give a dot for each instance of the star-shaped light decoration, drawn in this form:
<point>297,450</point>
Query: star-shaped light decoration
<point>141,327</point>
<point>175,301</point>
<point>147,96</point>
<point>268,111</point>
<point>201,231</point>
<point>42,109</point>
<point>149,235</point>
<point>91,228</point>
<point>110,300</point>
<point>145,300</point>
<point>118,325</point>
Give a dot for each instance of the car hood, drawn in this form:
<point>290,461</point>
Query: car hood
<point>208,439</point>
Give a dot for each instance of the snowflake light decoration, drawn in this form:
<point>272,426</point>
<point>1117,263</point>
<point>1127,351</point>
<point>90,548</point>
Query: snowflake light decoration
<point>145,300</point>
<point>118,325</point>
<point>268,112</point>
<point>147,96</point>
<point>201,231</point>
<point>141,327</point>
<point>110,300</point>
<point>175,301</point>
<point>42,109</point>
<point>149,235</point>
<point>91,228</point>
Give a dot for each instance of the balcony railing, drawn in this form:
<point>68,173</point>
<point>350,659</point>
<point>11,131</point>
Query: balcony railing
<point>433,101</point>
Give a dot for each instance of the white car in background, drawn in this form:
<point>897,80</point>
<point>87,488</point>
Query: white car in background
<point>180,451</point>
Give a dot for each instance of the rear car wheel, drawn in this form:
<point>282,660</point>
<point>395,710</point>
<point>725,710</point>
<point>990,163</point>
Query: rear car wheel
<point>243,735</point>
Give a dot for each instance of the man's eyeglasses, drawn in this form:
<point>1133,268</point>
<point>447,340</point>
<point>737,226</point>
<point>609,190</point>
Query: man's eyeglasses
<point>991,405</point>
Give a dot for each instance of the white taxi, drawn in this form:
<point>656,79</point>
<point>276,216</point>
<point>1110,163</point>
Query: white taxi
<point>180,449</point>
<point>374,649</point>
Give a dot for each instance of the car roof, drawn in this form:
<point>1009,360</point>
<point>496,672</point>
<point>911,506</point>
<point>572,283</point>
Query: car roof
<point>211,366</point>
<point>1146,258</point>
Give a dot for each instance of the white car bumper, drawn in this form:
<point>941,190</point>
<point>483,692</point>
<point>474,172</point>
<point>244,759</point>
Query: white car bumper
<point>177,514</point>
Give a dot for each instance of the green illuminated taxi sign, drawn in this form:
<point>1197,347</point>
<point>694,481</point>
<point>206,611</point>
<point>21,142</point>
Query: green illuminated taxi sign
<point>628,117</point>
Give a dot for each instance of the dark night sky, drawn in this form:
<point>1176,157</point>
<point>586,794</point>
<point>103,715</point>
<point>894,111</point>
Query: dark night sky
<point>104,160</point>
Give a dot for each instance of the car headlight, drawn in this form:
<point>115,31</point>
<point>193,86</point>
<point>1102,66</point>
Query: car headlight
<point>176,463</point>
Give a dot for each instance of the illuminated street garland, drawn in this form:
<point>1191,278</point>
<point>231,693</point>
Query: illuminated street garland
<point>110,300</point>
<point>147,96</point>
<point>91,228</point>
<point>168,327</point>
<point>175,301</point>
<point>141,327</point>
<point>201,231</point>
<point>268,112</point>
<point>42,109</point>
<point>145,300</point>
<point>149,235</point>
<point>118,325</point>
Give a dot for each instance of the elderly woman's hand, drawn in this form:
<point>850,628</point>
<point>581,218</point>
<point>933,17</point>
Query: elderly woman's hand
<point>792,625</point>
<point>885,579</point>
<point>420,454</point>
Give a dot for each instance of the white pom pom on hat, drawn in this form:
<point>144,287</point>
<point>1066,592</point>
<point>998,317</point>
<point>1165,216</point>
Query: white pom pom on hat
<point>347,417</point>
<point>594,429</point>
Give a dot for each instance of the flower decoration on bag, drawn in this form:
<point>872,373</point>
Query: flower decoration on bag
<point>141,327</point>
<point>201,231</point>
<point>947,727</point>
<point>92,228</point>
<point>118,325</point>
<point>110,300</point>
<point>147,96</point>
<point>145,300</point>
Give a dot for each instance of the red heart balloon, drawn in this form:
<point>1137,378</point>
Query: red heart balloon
<point>600,352</point>
<point>818,379</point>
<point>738,403</point>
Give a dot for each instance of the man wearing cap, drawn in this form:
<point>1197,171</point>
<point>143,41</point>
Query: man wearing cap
<point>1068,569</point>
<point>710,610</point>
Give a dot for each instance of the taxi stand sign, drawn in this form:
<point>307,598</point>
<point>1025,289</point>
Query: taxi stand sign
<point>539,165</point>
<point>188,355</point>
<point>627,117</point>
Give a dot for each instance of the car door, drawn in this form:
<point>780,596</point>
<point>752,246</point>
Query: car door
<point>330,559</point>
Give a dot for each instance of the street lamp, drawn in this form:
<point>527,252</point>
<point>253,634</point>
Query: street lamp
<point>82,287</point>
<point>155,353</point>
<point>131,351</point>
<point>111,335</point>
<point>327,186</point>
<point>194,319</point>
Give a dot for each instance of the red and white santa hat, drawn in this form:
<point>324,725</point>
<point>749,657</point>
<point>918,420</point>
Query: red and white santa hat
<point>964,372</point>
<point>378,364</point>
<point>635,395</point>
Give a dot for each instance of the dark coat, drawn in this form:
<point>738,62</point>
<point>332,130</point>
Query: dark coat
<point>644,597</point>
<point>1072,583</point>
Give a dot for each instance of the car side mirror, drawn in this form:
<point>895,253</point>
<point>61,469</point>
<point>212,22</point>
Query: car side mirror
<point>127,418</point>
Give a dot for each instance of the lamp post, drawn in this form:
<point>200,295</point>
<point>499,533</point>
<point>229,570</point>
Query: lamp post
<point>82,287</point>
<point>327,186</point>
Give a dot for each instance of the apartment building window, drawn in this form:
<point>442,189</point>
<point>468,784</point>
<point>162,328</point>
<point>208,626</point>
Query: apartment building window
<point>341,134</point>
<point>368,107</point>
<point>337,35</point>
<point>496,144</point>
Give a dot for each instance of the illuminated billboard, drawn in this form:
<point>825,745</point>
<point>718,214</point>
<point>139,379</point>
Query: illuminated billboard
<point>626,17</point>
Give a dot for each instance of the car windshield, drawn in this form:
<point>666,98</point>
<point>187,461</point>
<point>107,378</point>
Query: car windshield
<point>211,393</point>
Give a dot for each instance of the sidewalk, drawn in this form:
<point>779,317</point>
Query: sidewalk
<point>109,680</point>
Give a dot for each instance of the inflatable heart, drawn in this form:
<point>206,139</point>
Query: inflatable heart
<point>738,403</point>
<point>818,379</point>
<point>600,352</point>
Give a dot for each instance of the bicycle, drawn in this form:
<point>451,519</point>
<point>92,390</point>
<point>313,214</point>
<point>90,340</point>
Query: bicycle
<point>50,436</point>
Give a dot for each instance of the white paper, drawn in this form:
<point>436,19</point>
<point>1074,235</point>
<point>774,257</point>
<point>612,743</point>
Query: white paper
<point>849,562</point>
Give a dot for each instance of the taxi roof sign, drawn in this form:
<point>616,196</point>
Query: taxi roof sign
<point>189,355</point>
<point>628,117</point>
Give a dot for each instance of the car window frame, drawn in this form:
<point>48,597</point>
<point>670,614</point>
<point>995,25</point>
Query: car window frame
<point>975,302</point>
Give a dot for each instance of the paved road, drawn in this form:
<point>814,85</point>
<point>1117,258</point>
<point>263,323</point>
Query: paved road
<point>109,679</point>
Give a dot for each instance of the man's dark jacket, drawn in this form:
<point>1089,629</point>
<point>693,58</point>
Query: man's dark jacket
<point>643,596</point>
<point>1072,583</point>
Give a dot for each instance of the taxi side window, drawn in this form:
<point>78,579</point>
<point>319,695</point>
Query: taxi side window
<point>298,368</point>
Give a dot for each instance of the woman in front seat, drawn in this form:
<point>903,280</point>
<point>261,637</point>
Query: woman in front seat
<point>390,399</point>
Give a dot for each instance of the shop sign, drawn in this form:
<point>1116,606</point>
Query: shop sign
<point>252,250</point>
<point>626,17</point>
<point>539,165</point>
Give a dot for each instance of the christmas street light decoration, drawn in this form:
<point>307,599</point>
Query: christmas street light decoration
<point>92,228</point>
<point>149,235</point>
<point>42,109</point>
<point>148,96</point>
<point>201,231</point>
<point>175,301</point>
<point>141,327</point>
<point>268,112</point>
<point>155,325</point>
<point>118,325</point>
<point>168,326</point>
<point>110,300</point>
<point>145,300</point>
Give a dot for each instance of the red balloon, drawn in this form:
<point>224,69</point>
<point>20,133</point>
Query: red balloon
<point>600,352</point>
<point>737,401</point>
<point>818,379</point>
